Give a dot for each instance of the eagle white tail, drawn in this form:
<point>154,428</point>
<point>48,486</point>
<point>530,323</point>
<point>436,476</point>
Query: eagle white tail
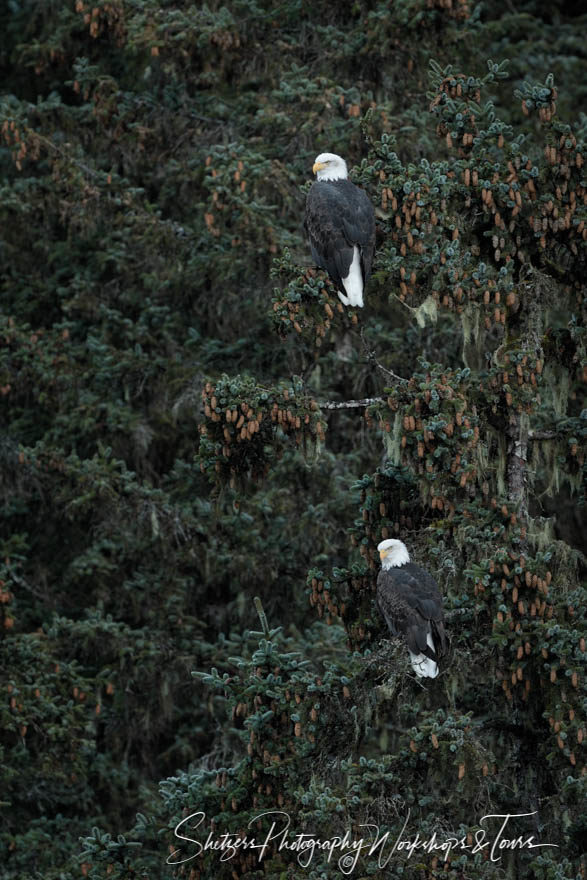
<point>353,283</point>
<point>423,666</point>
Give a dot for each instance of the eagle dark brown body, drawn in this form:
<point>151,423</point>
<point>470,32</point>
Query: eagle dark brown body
<point>410,601</point>
<point>340,225</point>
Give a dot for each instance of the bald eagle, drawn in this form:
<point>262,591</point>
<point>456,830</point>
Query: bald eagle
<point>410,601</point>
<point>340,225</point>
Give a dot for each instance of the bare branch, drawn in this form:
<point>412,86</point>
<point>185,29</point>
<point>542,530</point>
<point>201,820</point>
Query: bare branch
<point>542,435</point>
<point>366,401</point>
<point>262,615</point>
<point>389,373</point>
<point>350,404</point>
<point>372,358</point>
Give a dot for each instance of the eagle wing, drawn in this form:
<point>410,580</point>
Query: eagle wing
<point>359,229</point>
<point>411,604</point>
<point>339,215</point>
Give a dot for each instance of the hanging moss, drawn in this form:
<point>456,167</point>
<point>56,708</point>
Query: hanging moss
<point>557,381</point>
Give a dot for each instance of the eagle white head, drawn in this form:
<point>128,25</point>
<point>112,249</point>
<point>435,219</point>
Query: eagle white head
<point>393,553</point>
<point>329,166</point>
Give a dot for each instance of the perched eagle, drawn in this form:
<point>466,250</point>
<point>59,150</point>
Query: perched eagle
<point>340,225</point>
<point>410,601</point>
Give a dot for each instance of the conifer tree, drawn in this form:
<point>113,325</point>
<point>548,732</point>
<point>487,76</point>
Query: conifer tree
<point>494,235</point>
<point>191,419</point>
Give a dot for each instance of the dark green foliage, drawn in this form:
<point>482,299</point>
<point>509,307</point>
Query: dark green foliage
<point>169,363</point>
<point>246,425</point>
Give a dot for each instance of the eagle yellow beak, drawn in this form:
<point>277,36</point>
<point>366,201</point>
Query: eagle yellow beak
<point>318,166</point>
<point>382,554</point>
